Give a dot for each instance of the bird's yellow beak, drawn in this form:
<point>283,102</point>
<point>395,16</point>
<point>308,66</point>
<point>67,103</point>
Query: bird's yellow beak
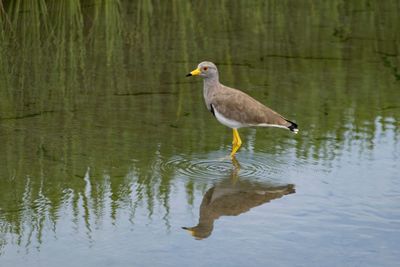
<point>190,231</point>
<point>194,73</point>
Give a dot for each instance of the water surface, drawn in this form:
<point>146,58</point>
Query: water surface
<point>108,151</point>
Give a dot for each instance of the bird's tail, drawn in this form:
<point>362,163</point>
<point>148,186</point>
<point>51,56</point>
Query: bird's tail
<point>293,127</point>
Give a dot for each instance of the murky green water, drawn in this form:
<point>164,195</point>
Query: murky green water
<point>107,150</point>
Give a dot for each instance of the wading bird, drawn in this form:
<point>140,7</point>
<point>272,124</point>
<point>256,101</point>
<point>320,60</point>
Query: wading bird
<point>234,108</point>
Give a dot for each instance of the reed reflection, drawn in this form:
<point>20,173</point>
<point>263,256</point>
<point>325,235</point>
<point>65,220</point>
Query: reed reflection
<point>233,196</point>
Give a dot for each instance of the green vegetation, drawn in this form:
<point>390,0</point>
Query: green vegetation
<point>97,88</point>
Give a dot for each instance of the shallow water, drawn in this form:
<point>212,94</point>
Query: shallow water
<point>110,158</point>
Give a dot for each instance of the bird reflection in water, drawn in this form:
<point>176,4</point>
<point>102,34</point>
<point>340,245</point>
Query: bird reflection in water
<point>233,196</point>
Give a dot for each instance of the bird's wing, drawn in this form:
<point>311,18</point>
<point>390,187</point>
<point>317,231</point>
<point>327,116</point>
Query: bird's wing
<point>237,105</point>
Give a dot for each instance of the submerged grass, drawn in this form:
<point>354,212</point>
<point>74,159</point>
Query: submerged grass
<point>60,57</point>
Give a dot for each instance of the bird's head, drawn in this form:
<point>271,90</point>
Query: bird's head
<point>205,69</point>
<point>200,231</point>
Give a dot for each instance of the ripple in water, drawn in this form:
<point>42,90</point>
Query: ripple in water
<point>218,167</point>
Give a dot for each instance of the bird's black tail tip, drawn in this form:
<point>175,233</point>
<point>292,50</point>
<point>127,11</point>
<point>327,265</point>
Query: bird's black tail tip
<point>293,127</point>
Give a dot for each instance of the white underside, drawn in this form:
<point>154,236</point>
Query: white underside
<point>228,122</point>
<point>235,124</point>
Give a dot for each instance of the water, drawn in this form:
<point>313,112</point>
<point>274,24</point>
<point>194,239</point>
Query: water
<point>108,151</point>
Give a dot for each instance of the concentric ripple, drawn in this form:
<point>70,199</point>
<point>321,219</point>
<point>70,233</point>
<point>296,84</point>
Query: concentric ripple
<point>218,167</point>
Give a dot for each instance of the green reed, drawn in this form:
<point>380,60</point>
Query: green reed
<point>63,62</point>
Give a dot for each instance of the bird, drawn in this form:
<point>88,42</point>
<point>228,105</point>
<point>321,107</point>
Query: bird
<point>233,196</point>
<point>234,108</point>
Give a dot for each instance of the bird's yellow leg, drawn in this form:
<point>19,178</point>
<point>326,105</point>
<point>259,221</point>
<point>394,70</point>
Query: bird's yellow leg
<point>236,168</point>
<point>234,142</point>
<point>237,142</point>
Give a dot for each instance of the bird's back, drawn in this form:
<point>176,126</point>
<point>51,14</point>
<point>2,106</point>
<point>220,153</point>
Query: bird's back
<point>239,106</point>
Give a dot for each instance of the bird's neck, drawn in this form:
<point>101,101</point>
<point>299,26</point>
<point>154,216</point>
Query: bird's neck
<point>210,84</point>
<point>211,81</point>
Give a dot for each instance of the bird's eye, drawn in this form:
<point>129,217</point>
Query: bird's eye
<point>205,68</point>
